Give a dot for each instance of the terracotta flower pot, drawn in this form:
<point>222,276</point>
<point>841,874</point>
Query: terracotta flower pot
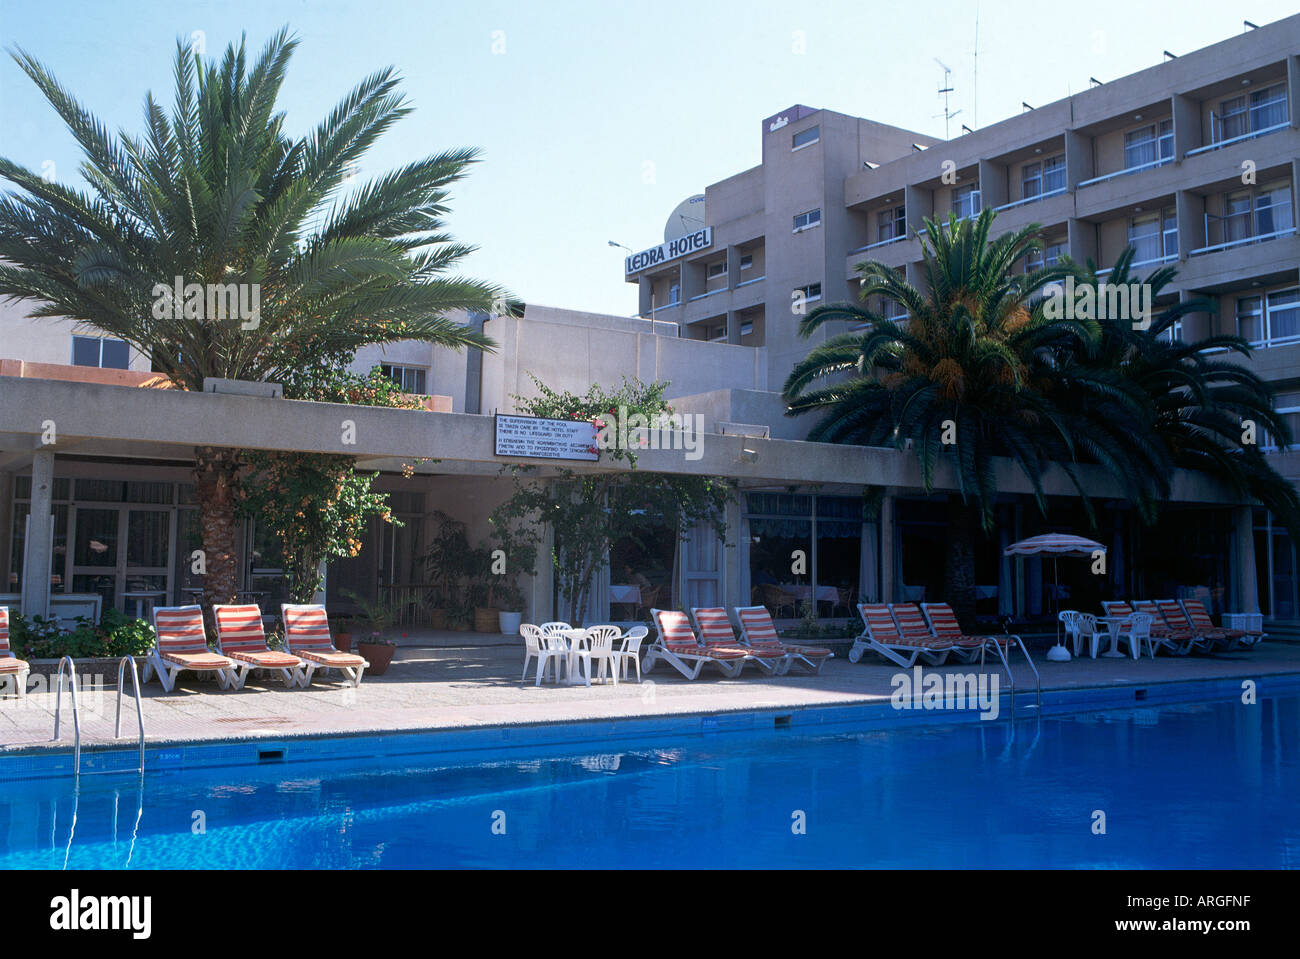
<point>343,642</point>
<point>378,655</point>
<point>438,618</point>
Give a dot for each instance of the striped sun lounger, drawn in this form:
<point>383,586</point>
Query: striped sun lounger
<point>715,629</point>
<point>307,636</point>
<point>240,637</point>
<point>1199,617</point>
<point>882,635</point>
<point>759,632</point>
<point>10,665</point>
<point>181,643</point>
<point>675,643</point>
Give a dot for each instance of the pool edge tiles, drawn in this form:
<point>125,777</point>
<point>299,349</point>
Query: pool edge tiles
<point>459,744</point>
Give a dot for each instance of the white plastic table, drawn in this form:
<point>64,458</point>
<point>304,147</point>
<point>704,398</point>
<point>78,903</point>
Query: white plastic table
<point>1114,626</point>
<point>575,638</point>
<point>141,596</point>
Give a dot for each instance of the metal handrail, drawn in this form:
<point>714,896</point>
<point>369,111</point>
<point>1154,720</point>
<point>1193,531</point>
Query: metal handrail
<point>139,712</point>
<point>76,711</point>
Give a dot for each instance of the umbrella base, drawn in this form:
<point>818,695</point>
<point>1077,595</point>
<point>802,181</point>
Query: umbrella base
<point>1058,654</point>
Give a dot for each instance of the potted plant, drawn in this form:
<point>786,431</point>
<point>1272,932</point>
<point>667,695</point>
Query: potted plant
<point>343,635</point>
<point>374,618</point>
<point>512,552</point>
<point>445,563</point>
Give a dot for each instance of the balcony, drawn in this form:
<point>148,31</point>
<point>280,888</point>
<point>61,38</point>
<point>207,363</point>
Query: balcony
<point>1030,199</point>
<point>1150,165</point>
<point>879,243</point>
<point>1243,241</point>
<point>1275,128</point>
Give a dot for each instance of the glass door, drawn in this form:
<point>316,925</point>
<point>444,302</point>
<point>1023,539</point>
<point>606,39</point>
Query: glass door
<point>121,549</point>
<point>95,553</point>
<point>144,566</point>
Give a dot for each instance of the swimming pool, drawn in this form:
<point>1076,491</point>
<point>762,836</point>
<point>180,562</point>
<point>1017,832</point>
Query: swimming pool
<point>1180,785</point>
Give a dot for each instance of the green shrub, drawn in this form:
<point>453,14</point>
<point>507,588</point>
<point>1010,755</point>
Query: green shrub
<point>36,637</point>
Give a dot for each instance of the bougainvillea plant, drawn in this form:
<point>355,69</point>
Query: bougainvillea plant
<point>318,505</point>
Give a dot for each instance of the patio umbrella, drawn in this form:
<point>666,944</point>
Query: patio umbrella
<point>1055,545</point>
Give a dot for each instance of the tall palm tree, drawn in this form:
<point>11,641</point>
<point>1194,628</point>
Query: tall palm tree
<point>1202,396</point>
<point>217,193</point>
<point>967,378</point>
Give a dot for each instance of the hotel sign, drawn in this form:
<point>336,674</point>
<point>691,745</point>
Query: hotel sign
<point>682,246</point>
<point>537,438</point>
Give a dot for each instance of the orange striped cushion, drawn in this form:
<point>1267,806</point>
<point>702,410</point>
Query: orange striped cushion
<point>197,660</point>
<point>910,621</point>
<point>759,627</point>
<point>239,628</point>
<point>265,658</point>
<point>307,627</point>
<point>715,628</point>
<point>676,630</point>
<point>9,664</point>
<point>4,628</point>
<point>880,624</point>
<point>336,659</point>
<point>180,629</point>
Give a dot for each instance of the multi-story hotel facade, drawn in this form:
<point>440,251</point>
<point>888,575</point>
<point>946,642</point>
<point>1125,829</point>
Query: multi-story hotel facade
<point>1194,162</point>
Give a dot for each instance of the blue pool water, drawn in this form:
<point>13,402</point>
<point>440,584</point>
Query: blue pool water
<point>1205,785</point>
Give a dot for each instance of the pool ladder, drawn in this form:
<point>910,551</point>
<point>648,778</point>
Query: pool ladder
<point>76,708</point>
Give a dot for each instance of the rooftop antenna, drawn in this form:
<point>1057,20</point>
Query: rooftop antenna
<point>944,89</point>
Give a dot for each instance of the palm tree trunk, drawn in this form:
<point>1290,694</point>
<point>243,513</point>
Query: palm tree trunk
<point>216,484</point>
<point>959,564</point>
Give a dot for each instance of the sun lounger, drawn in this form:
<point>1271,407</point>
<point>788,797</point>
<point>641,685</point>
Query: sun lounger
<point>675,644</point>
<point>759,632</point>
<point>1200,620</point>
<point>181,643</point>
<point>240,637</point>
<point>307,636</point>
<point>715,629</point>
<point>913,625</point>
<point>1172,615</point>
<point>882,635</point>
<point>1176,643</point>
<point>943,622</point>
<point>11,667</point>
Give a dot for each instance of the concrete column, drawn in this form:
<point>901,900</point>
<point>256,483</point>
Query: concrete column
<point>734,556</point>
<point>1246,590</point>
<point>1078,158</point>
<point>645,287</point>
<point>993,184</point>
<point>1190,210</point>
<point>1293,90</point>
<point>888,561</point>
<point>1018,533</point>
<point>733,326</point>
<point>1187,125</point>
<point>6,526</point>
<point>318,597</point>
<point>919,204</point>
<point>1081,240</point>
<point>40,531</point>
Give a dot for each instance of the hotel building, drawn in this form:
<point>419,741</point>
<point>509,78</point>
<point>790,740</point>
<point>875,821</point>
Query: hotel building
<point>1193,162</point>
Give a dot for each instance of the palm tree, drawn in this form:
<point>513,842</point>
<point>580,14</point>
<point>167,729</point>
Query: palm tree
<point>217,193</point>
<point>1202,397</point>
<point>967,378</point>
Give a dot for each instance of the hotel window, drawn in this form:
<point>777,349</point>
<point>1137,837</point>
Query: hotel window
<point>717,269</point>
<point>1287,407</point>
<point>1273,210</point>
<point>1270,319</point>
<point>409,379</point>
<point>813,291</point>
<point>1031,180</point>
<point>1148,144</point>
<point>1242,115</point>
<point>803,221</point>
<point>1144,237</point>
<point>1053,253</point>
<point>102,351</point>
<point>674,293</point>
<point>1054,174</point>
<point>746,328</point>
<point>1169,231</point>
<point>891,224</point>
<point>805,138</point>
<point>747,261</point>
<point>966,201</point>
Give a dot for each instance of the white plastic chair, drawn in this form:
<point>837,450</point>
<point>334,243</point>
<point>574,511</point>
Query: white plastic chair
<point>553,651</point>
<point>549,628</point>
<point>630,651</point>
<point>532,646</point>
<point>599,649</point>
<point>1080,627</point>
<point>1139,633</point>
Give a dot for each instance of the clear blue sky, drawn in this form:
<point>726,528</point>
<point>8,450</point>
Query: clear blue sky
<point>585,93</point>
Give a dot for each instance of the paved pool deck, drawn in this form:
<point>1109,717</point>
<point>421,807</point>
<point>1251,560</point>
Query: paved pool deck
<point>458,680</point>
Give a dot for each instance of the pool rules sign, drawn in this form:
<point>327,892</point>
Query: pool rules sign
<point>535,438</point>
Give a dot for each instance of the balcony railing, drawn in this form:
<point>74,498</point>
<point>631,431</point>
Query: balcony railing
<point>756,279</point>
<point>1125,172</point>
<point>1154,261</point>
<point>879,243</point>
<point>1244,241</point>
<point>1030,199</point>
<point>1238,139</point>
<point>707,293</point>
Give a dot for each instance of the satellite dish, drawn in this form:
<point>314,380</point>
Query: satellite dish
<point>687,217</point>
